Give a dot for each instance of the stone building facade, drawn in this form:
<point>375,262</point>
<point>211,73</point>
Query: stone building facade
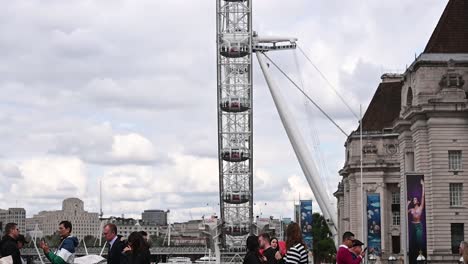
<point>84,223</point>
<point>13,215</point>
<point>416,124</point>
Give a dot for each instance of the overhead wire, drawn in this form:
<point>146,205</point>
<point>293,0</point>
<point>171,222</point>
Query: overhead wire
<point>328,82</point>
<point>317,151</point>
<point>307,96</point>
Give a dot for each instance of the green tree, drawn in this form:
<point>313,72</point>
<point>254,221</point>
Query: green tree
<point>156,241</point>
<point>323,245</point>
<point>53,241</point>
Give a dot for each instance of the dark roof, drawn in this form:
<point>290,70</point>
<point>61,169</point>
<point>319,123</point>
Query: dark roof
<point>384,107</point>
<point>451,33</point>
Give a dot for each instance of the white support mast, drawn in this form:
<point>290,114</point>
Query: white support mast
<point>303,153</point>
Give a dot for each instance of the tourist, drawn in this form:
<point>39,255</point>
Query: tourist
<point>356,249</point>
<point>463,252</point>
<point>8,245</point>
<point>252,256</point>
<point>268,251</point>
<point>115,244</point>
<point>137,250</point>
<point>297,252</point>
<point>20,242</point>
<point>65,252</point>
<point>274,243</point>
<point>344,256</point>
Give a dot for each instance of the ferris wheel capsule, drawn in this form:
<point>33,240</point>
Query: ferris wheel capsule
<point>236,229</point>
<point>235,104</point>
<point>236,197</point>
<point>235,154</point>
<point>236,50</point>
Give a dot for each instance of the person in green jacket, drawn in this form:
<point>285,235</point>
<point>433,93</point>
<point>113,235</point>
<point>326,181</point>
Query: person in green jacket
<point>65,253</point>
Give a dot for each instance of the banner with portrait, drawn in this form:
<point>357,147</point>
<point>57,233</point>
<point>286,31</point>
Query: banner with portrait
<point>416,213</point>
<point>306,222</point>
<point>374,234</point>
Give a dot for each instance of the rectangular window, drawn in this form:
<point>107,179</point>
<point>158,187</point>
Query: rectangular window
<point>396,244</point>
<point>396,218</point>
<point>456,190</point>
<point>396,197</point>
<point>457,235</point>
<point>455,160</point>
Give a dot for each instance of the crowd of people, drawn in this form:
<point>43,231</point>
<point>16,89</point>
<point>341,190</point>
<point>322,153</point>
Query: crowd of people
<point>261,249</point>
<point>134,250</point>
<point>266,250</point>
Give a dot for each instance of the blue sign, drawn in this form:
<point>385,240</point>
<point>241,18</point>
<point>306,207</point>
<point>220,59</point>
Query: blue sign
<point>306,222</point>
<point>374,234</point>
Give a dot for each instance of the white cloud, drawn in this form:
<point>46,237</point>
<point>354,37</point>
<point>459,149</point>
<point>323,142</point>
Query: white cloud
<point>45,179</point>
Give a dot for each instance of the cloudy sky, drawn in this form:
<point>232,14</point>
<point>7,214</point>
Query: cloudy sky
<point>124,91</point>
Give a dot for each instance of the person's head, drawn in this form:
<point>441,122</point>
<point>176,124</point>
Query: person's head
<point>463,247</point>
<point>144,234</point>
<point>294,235</point>
<point>264,240</point>
<point>252,243</point>
<point>12,230</point>
<point>21,241</point>
<point>274,243</point>
<point>136,242</point>
<point>348,238</point>
<point>356,247</point>
<point>415,201</point>
<point>109,232</point>
<point>65,229</point>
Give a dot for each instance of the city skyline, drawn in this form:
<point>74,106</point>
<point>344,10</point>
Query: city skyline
<point>124,92</point>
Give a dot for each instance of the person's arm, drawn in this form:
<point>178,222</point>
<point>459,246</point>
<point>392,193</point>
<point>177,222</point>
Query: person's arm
<point>271,259</point>
<point>422,197</point>
<point>63,254</point>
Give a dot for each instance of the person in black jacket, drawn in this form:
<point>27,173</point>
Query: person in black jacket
<point>252,256</point>
<point>137,250</point>
<point>8,245</point>
<point>114,243</point>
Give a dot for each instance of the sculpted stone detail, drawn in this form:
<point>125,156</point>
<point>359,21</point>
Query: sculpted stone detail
<point>451,79</point>
<point>391,149</point>
<point>369,148</point>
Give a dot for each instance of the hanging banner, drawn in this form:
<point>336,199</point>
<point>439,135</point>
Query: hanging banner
<point>416,217</point>
<point>374,234</point>
<point>306,222</point>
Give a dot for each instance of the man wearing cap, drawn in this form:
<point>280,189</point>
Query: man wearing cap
<point>356,248</point>
<point>344,256</point>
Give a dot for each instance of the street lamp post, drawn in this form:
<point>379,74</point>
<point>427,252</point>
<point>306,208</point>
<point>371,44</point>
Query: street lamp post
<point>372,259</point>
<point>392,260</point>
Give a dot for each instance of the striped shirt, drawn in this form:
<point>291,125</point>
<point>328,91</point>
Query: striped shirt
<point>297,254</point>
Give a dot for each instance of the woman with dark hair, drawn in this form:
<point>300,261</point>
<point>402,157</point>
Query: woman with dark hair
<point>252,256</point>
<point>297,253</point>
<point>137,250</point>
<point>274,243</point>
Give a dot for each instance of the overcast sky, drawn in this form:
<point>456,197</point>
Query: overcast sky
<point>125,91</point>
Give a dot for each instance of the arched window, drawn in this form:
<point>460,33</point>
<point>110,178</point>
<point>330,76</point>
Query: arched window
<point>409,97</point>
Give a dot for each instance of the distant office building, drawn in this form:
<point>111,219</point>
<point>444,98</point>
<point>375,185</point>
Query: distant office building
<point>13,215</point>
<point>154,217</point>
<point>84,223</point>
